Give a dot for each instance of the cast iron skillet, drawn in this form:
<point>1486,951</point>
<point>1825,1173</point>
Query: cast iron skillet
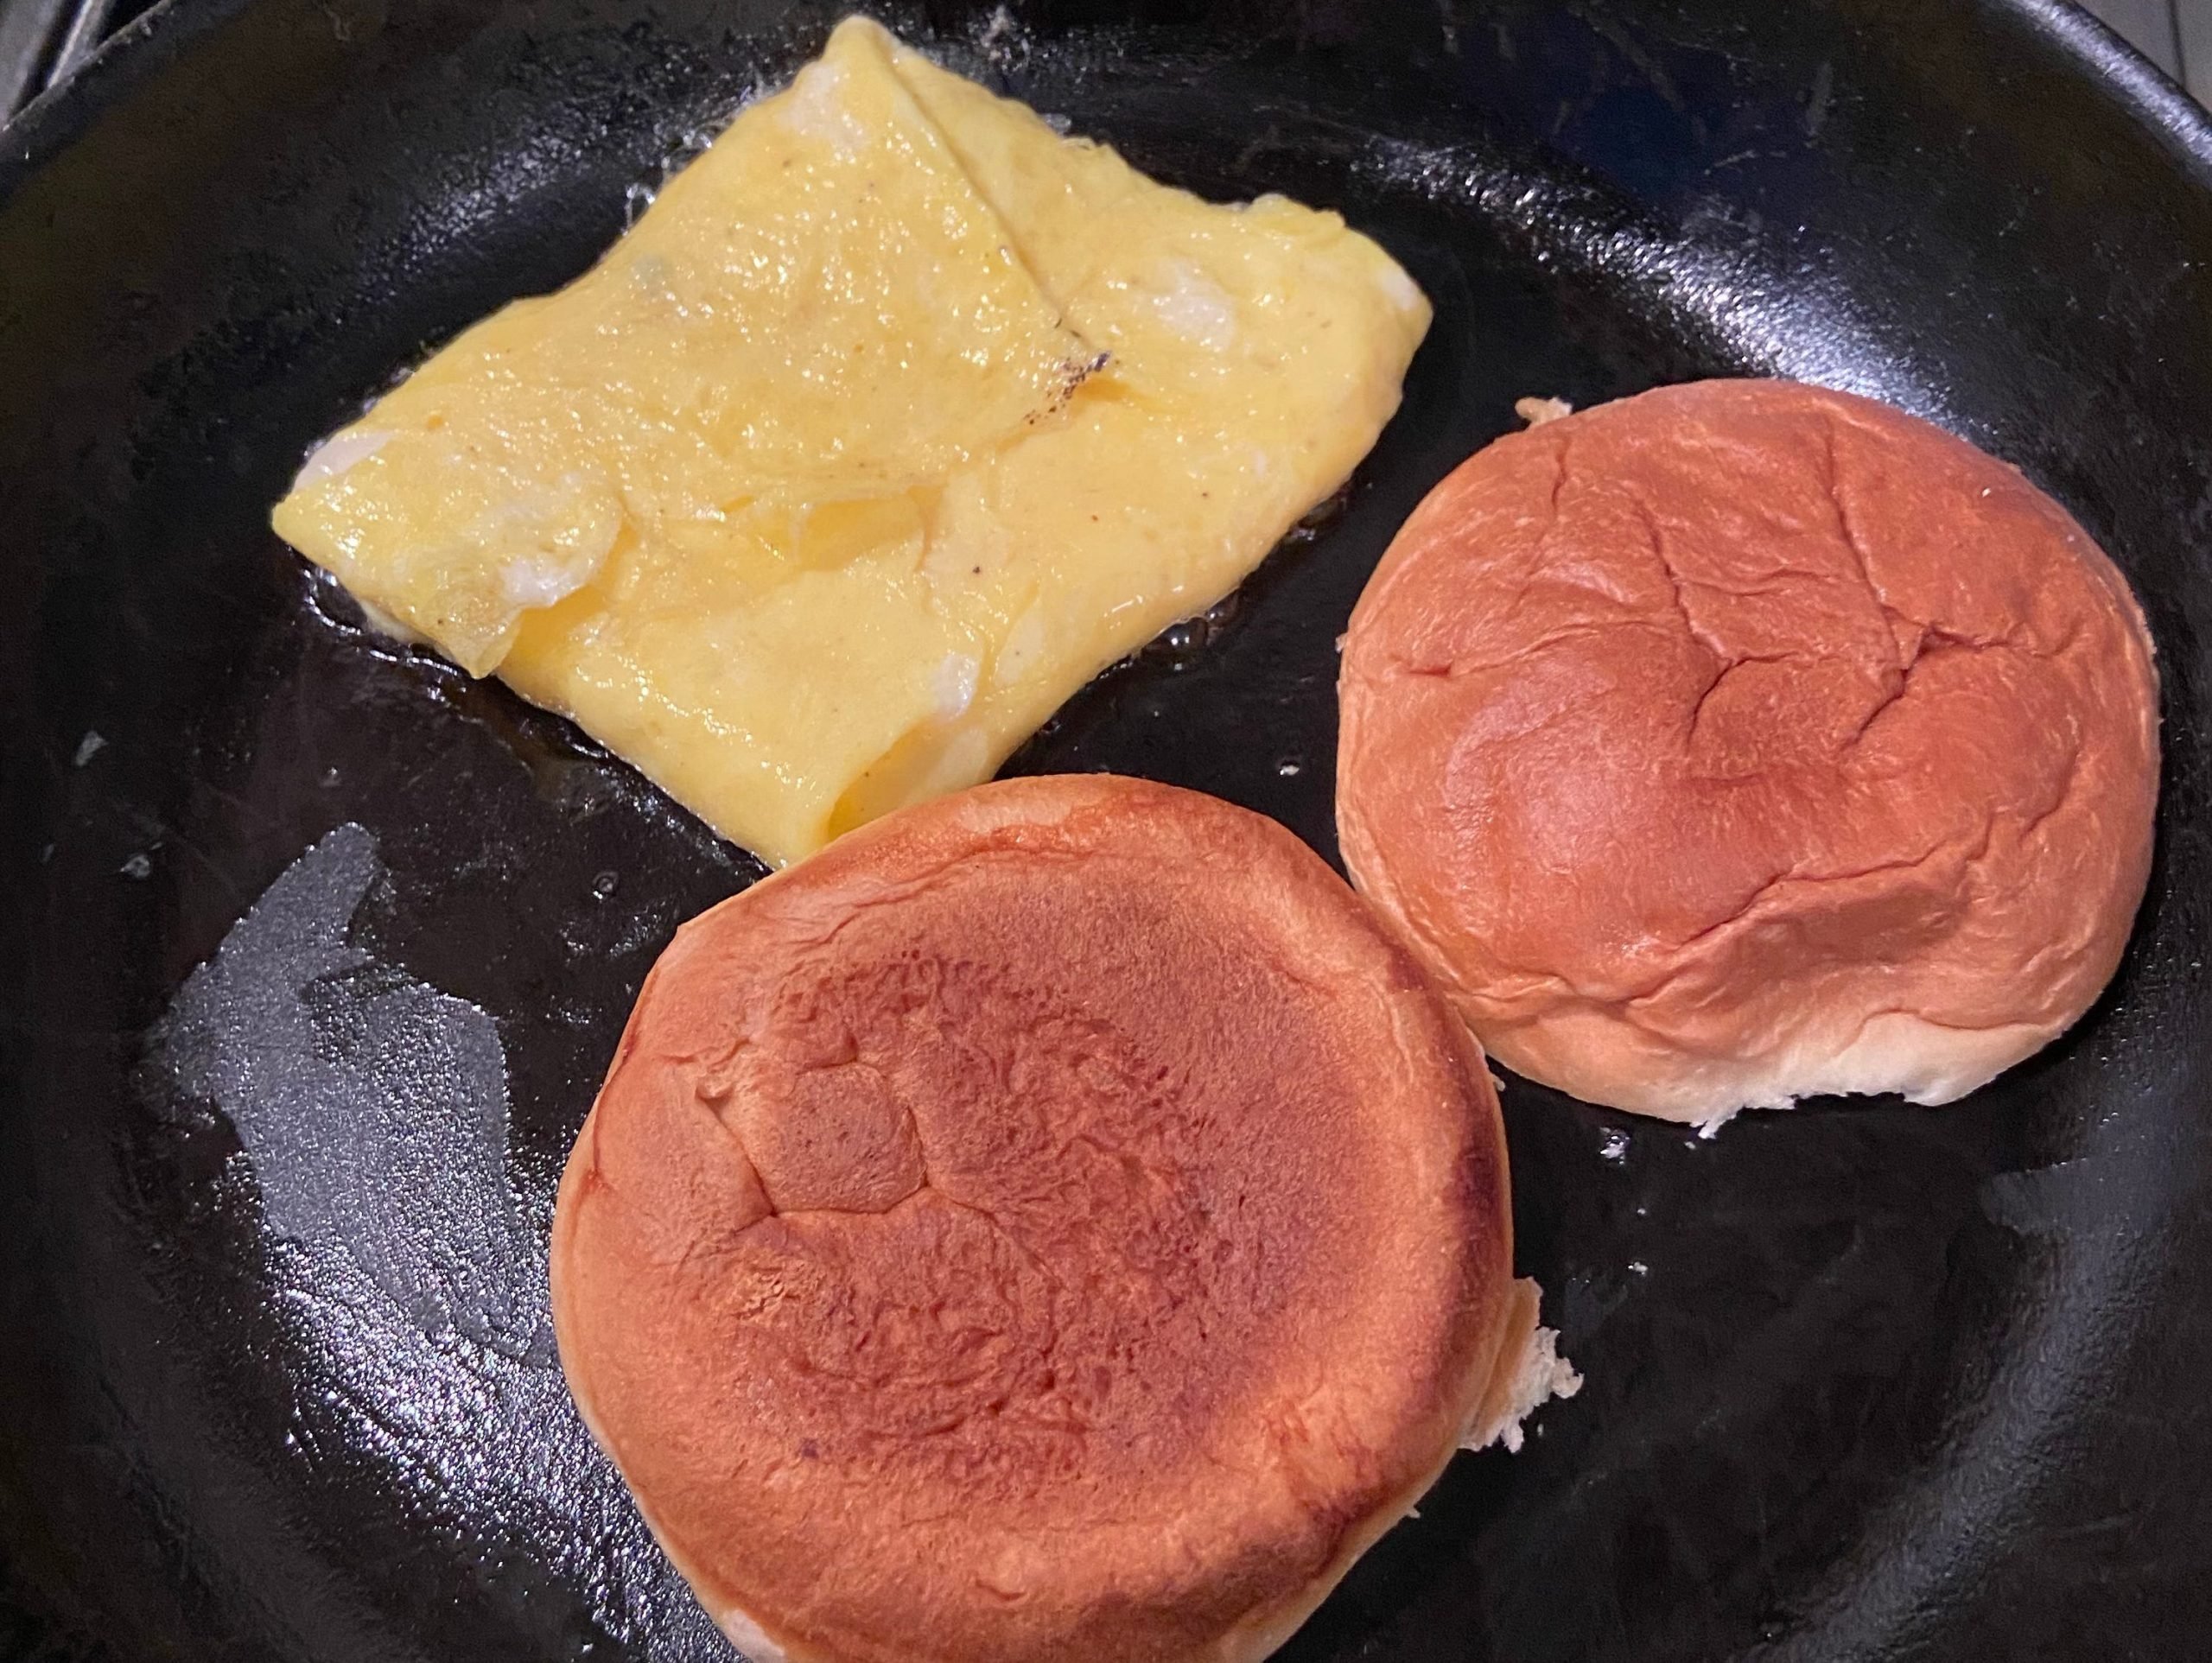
<point>1864,1380</point>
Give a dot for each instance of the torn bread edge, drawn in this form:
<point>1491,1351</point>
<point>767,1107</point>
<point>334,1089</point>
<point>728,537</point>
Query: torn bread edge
<point>1529,1372</point>
<point>1538,411</point>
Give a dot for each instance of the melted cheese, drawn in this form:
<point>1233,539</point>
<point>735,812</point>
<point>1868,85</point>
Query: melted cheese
<point>895,419</point>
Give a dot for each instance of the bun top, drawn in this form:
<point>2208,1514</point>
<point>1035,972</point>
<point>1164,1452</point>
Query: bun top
<point>1054,1221</point>
<point>1742,740</point>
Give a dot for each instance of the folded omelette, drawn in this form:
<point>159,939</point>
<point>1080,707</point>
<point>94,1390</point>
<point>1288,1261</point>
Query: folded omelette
<point>893,420</point>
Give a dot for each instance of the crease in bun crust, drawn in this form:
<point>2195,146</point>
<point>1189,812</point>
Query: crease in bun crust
<point>1743,742</point>
<point>1057,1221</point>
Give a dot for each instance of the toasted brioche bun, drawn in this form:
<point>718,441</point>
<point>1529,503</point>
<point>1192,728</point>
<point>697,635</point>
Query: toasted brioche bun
<point>1054,1221</point>
<point>1744,741</point>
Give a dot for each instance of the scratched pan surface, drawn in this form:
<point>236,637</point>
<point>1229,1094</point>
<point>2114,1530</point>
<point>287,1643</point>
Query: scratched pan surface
<point>313,952</point>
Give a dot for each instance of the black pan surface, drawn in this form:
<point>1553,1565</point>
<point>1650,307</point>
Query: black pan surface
<point>1865,1381</point>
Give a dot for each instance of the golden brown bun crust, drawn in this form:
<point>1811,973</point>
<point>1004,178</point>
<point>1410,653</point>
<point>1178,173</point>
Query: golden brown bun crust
<point>1055,1220</point>
<point>1742,740</point>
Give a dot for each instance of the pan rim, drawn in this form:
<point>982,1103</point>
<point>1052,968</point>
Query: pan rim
<point>49,124</point>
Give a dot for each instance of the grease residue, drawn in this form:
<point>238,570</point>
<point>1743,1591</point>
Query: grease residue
<point>372,1107</point>
<point>372,1111</point>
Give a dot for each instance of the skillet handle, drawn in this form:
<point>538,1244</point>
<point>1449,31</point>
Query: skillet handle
<point>42,42</point>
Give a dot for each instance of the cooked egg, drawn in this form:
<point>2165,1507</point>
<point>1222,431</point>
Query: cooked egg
<point>894,420</point>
